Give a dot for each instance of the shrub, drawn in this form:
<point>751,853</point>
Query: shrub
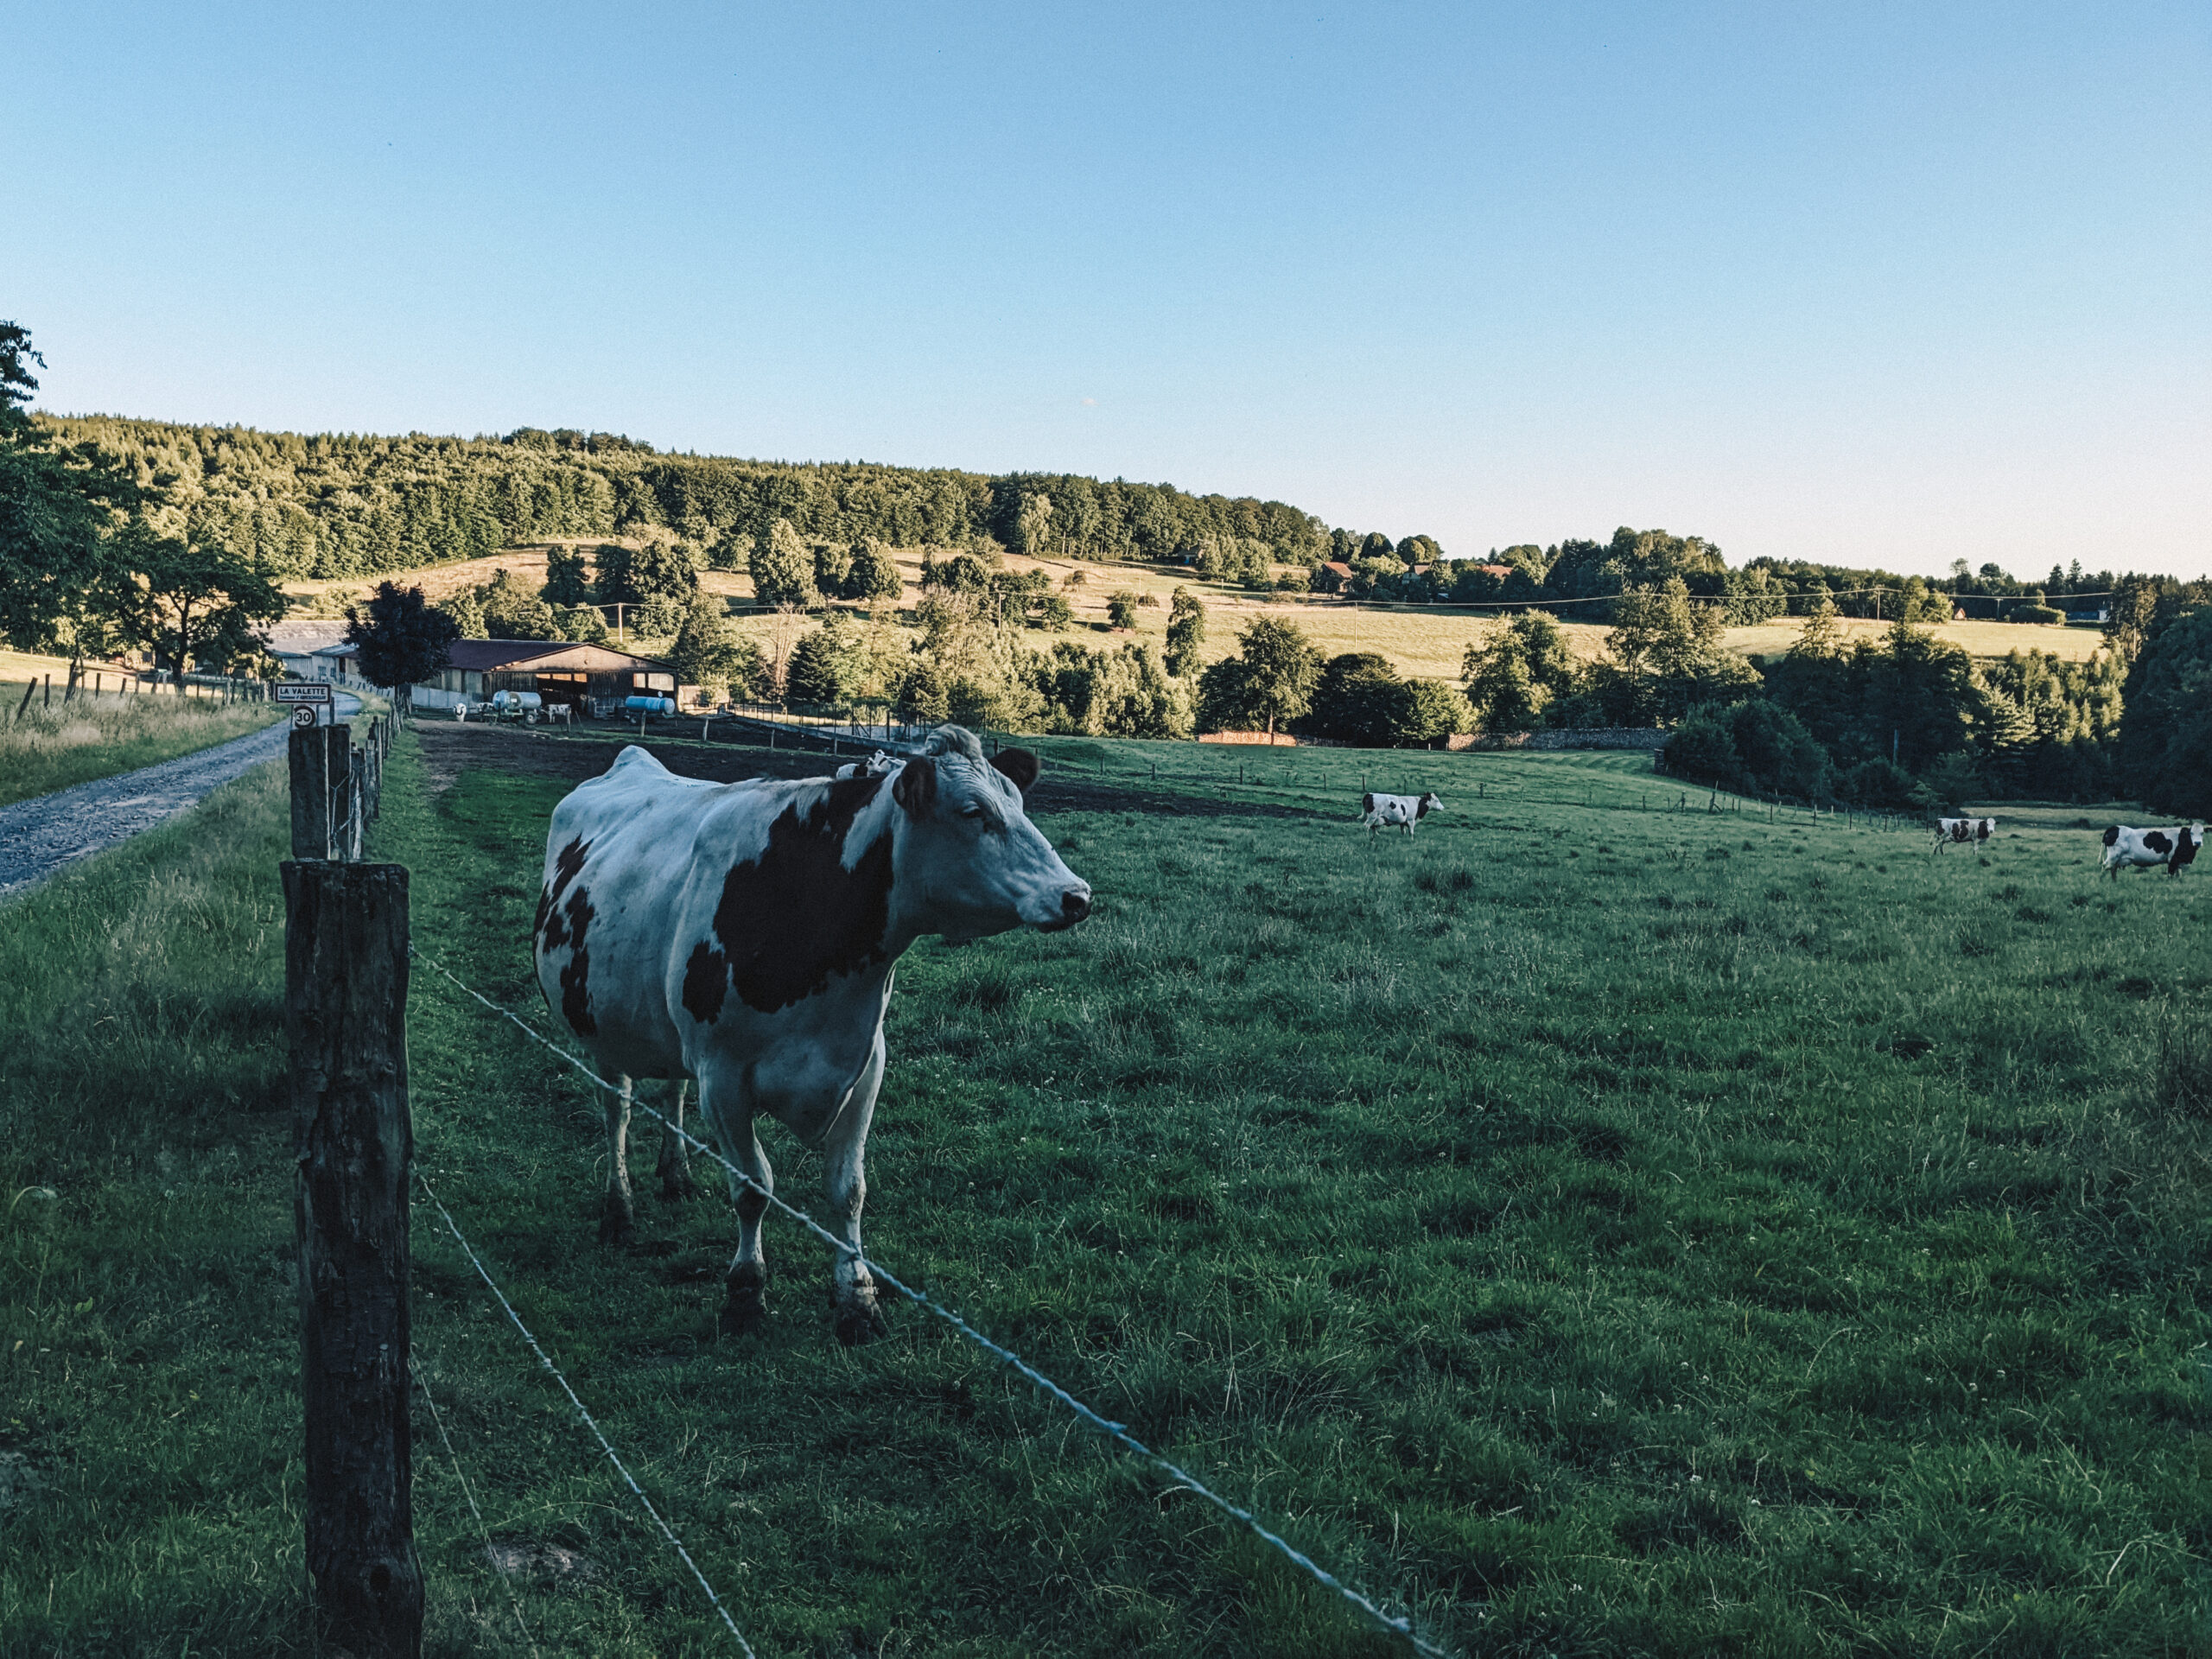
<point>1121,609</point>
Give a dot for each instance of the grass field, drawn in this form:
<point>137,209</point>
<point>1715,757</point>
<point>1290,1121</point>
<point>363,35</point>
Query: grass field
<point>1423,640</point>
<point>97,736</point>
<point>1601,1230</point>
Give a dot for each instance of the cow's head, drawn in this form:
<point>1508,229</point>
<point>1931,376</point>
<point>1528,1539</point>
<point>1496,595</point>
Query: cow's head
<point>970,862</point>
<point>1427,804</point>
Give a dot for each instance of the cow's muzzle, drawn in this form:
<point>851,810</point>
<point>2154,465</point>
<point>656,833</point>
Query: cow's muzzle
<point>1075,904</point>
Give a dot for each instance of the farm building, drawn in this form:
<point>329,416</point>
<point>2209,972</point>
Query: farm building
<point>559,670</point>
<point>313,650</point>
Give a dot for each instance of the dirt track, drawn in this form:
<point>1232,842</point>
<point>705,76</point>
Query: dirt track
<point>40,836</point>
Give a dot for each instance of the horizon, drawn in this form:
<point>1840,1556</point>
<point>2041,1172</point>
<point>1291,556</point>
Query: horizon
<point>1883,292</point>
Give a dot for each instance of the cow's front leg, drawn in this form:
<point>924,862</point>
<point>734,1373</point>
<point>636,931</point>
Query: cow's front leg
<point>844,1152</point>
<point>675,1168</point>
<point>747,1310</point>
<point>617,1216</point>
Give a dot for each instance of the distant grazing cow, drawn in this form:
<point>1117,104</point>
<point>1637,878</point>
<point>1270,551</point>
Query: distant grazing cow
<point>745,935</point>
<point>1377,812</point>
<point>875,766</point>
<point>2148,849</point>
<point>1964,831</point>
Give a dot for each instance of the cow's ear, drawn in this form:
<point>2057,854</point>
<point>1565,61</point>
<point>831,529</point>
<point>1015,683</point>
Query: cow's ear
<point>1019,764</point>
<point>915,787</point>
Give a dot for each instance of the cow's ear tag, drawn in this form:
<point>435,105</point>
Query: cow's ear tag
<point>915,787</point>
<point>1020,765</point>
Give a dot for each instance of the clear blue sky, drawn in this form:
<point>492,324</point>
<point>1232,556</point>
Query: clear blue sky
<point>1894,285</point>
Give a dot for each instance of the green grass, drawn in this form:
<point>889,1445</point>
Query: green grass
<point>1605,1231</point>
<point>89,737</point>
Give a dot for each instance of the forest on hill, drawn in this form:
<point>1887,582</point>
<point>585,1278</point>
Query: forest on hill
<point>118,533</point>
<point>345,505</point>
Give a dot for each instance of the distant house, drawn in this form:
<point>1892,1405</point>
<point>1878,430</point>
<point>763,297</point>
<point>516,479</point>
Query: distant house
<point>313,650</point>
<point>559,670</point>
<point>1333,577</point>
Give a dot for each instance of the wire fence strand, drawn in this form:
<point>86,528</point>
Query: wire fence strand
<point>1119,1433</point>
<point>590,1422</point>
<point>468,1492</point>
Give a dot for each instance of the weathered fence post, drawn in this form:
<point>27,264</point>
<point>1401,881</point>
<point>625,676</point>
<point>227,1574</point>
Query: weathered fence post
<point>339,737</point>
<point>352,1140</point>
<point>310,758</point>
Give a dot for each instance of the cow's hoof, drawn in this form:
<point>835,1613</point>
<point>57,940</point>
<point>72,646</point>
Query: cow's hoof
<point>856,1326</point>
<point>616,1229</point>
<point>746,1311</point>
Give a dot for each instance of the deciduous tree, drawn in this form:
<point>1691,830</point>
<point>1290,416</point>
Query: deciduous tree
<point>403,640</point>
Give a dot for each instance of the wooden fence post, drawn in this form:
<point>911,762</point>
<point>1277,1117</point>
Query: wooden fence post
<point>353,1138</point>
<point>310,758</point>
<point>339,736</point>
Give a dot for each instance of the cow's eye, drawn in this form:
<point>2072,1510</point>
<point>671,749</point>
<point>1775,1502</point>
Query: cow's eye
<point>973,809</point>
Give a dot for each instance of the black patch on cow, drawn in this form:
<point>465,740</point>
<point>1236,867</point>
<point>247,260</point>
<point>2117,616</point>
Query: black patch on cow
<point>1421,808</point>
<point>795,915</point>
<point>706,980</point>
<point>1019,766</point>
<point>915,787</point>
<point>575,991</point>
<point>567,864</point>
<point>2111,836</point>
<point>2159,842</point>
<point>1367,803</point>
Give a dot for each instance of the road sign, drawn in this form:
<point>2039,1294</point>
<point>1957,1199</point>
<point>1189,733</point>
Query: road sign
<point>306,716</point>
<point>299,691</point>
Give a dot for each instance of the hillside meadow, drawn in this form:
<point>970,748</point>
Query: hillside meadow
<point>1420,640</point>
<point>1594,1226</point>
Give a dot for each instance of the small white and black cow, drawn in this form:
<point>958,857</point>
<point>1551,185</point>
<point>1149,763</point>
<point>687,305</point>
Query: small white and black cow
<point>745,935</point>
<point>877,766</point>
<point>1962,831</point>
<point>2143,849</point>
<point>1381,811</point>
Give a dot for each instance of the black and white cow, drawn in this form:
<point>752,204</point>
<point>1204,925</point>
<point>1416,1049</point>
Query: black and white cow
<point>1963,831</point>
<point>745,935</point>
<point>875,766</point>
<point>2148,849</point>
<point>1380,811</point>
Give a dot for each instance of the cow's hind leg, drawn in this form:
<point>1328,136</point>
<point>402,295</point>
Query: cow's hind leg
<point>617,1216</point>
<point>674,1167</point>
<point>844,1152</point>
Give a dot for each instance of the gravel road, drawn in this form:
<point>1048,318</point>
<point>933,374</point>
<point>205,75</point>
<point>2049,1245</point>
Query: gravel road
<point>46,834</point>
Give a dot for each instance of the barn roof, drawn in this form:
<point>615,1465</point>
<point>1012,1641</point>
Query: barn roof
<point>492,656</point>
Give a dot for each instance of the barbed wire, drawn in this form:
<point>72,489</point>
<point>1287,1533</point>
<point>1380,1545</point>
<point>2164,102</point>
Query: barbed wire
<point>590,1422</point>
<point>468,1492</point>
<point>1118,1433</point>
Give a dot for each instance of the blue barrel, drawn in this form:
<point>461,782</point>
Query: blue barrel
<point>650,705</point>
